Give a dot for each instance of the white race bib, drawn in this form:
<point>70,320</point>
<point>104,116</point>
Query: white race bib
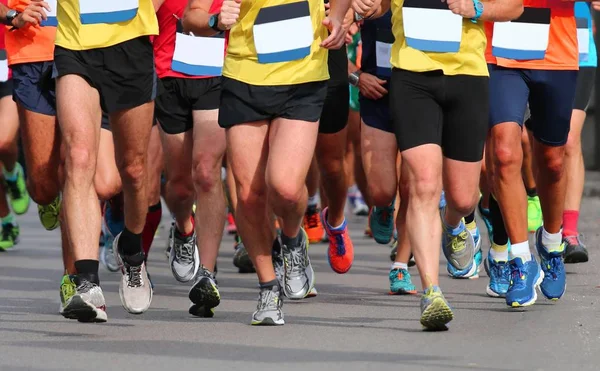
<point>383,51</point>
<point>524,38</point>
<point>283,33</point>
<point>51,21</point>
<point>583,38</point>
<point>107,11</point>
<point>431,27</point>
<point>198,56</point>
<point>3,66</point>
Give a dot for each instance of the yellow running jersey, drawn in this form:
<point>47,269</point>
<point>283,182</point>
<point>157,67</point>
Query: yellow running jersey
<point>92,24</point>
<point>277,42</point>
<point>430,37</point>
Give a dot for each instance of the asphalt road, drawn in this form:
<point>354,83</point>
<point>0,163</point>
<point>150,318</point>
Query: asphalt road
<point>352,325</point>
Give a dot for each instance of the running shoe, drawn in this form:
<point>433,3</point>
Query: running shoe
<point>50,214</point>
<point>169,241</point>
<point>485,216</point>
<point>87,303</point>
<point>312,293</point>
<point>435,310</point>
<point>242,261</point>
<point>17,192</point>
<point>381,222</point>
<point>459,248</point>
<point>525,278</point>
<point>231,227</point>
<point>575,250</point>
<point>114,219</point>
<point>107,255</point>
<point>499,274</point>
<point>9,236</point>
<point>135,289</point>
<point>299,276</point>
<point>279,266</point>
<point>183,259</point>
<point>401,283</point>
<point>442,200</point>
<point>477,259</point>
<point>534,213</point>
<point>68,289</point>
<point>268,311</point>
<point>204,294</point>
<point>312,224</point>
<point>554,283</point>
<point>360,206</point>
<point>340,253</point>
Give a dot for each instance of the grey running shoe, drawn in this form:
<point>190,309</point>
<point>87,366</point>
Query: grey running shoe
<point>268,311</point>
<point>242,260</point>
<point>575,250</point>
<point>87,305</point>
<point>299,274</point>
<point>135,288</point>
<point>459,248</point>
<point>435,311</point>
<point>107,255</point>
<point>183,258</point>
<point>279,266</point>
<point>204,294</point>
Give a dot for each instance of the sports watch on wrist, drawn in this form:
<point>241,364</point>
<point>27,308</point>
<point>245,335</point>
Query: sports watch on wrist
<point>10,16</point>
<point>213,22</point>
<point>478,10</point>
<point>354,77</point>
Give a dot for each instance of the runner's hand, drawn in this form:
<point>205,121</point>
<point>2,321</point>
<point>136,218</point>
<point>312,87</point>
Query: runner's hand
<point>351,32</point>
<point>596,5</point>
<point>464,8</point>
<point>34,14</point>
<point>230,12</point>
<point>337,35</point>
<point>371,87</point>
<point>365,7</point>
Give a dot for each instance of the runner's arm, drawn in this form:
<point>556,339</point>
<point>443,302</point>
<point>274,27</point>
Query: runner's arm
<point>501,10</point>
<point>34,13</point>
<point>196,17</point>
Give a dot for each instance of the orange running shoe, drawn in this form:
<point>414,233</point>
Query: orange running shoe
<point>231,227</point>
<point>312,224</point>
<point>340,253</point>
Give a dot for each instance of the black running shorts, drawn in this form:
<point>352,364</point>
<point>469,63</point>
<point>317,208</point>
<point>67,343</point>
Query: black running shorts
<point>585,84</point>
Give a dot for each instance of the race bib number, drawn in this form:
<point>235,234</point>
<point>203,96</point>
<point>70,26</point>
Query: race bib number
<point>524,38</point>
<point>430,26</point>
<point>107,11</point>
<point>3,66</point>
<point>198,56</point>
<point>383,51</point>
<point>583,38</point>
<point>283,33</point>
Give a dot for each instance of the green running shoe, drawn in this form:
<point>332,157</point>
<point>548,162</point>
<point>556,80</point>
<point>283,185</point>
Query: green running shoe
<point>435,311</point>
<point>400,282</point>
<point>68,289</point>
<point>50,214</point>
<point>17,192</point>
<point>381,223</point>
<point>9,236</point>
<point>534,214</point>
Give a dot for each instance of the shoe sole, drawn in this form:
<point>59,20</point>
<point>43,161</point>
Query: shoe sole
<point>437,315</point>
<point>204,296</point>
<point>536,286</point>
<point>577,256</point>
<point>403,292</point>
<point>268,322</point>
<point>83,312</point>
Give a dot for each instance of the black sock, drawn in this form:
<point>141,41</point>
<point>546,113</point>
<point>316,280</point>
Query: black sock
<point>268,285</point>
<point>500,237</point>
<point>291,241</point>
<point>532,192</point>
<point>469,218</point>
<point>277,246</point>
<point>88,269</point>
<point>130,243</point>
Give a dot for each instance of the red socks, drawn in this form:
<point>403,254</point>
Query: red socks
<point>152,221</point>
<point>570,221</point>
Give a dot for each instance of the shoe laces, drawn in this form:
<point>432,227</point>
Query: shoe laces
<point>500,271</point>
<point>457,243</point>
<point>184,251</point>
<point>554,267</point>
<point>517,277</point>
<point>401,274</point>
<point>296,262</point>
<point>84,286</point>
<point>7,232</point>
<point>574,240</point>
<point>268,299</point>
<point>134,276</point>
<point>312,218</point>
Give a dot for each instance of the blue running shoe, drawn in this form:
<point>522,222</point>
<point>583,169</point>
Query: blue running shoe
<point>443,200</point>
<point>400,282</point>
<point>485,216</point>
<point>478,257</point>
<point>555,278</point>
<point>525,277</point>
<point>499,274</point>
<point>459,248</point>
<point>382,223</point>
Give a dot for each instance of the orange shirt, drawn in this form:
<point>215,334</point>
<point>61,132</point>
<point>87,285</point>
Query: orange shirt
<point>29,44</point>
<point>562,52</point>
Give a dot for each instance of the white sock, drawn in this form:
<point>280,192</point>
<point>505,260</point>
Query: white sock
<point>520,250</point>
<point>499,252</point>
<point>397,265</point>
<point>552,242</point>
<point>313,200</point>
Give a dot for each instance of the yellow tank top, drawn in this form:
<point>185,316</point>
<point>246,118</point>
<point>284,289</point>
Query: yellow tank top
<point>430,37</point>
<point>277,42</point>
<point>91,24</point>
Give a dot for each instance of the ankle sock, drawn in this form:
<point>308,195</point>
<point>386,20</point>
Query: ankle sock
<point>570,222</point>
<point>152,222</point>
<point>520,250</point>
<point>552,242</point>
<point>130,243</point>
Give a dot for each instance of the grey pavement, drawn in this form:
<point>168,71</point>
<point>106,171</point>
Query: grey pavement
<point>352,325</point>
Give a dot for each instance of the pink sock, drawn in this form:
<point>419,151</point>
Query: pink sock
<point>570,221</point>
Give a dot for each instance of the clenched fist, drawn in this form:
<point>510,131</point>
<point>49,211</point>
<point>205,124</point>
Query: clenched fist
<point>230,12</point>
<point>464,8</point>
<point>365,7</point>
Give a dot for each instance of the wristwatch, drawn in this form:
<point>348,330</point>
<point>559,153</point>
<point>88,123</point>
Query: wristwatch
<point>478,10</point>
<point>213,22</point>
<point>354,77</point>
<point>11,14</point>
